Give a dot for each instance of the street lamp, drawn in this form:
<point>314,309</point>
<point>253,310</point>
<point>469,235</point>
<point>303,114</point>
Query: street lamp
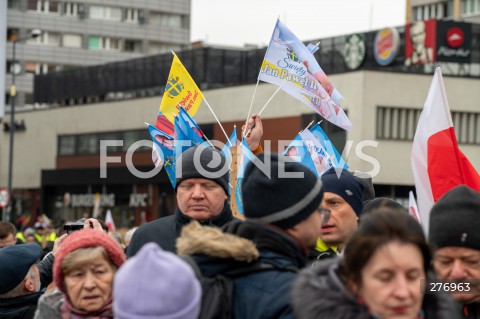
<point>13,92</point>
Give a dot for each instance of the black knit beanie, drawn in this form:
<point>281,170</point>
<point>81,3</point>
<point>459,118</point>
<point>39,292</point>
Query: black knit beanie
<point>280,200</point>
<point>455,219</point>
<point>346,186</point>
<point>203,162</point>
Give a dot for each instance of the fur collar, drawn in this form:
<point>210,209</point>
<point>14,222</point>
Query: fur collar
<point>211,241</point>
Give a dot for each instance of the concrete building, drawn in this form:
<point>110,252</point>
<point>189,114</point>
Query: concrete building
<point>58,158</point>
<point>89,32</point>
<point>458,10</point>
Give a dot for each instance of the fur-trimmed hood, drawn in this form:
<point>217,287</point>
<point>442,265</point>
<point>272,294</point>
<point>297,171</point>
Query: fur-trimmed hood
<point>319,293</point>
<point>211,241</point>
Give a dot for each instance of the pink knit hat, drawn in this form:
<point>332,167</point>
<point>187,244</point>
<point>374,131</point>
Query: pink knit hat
<point>83,239</point>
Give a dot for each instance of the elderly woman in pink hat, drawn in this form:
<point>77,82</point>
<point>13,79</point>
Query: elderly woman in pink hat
<point>84,269</point>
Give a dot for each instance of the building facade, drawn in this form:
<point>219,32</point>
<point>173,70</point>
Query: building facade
<point>459,10</point>
<point>88,32</point>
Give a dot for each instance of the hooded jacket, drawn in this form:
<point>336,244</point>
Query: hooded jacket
<point>320,293</point>
<point>263,294</point>
<point>166,230</point>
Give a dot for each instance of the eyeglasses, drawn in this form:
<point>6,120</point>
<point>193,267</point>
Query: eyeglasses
<point>325,213</point>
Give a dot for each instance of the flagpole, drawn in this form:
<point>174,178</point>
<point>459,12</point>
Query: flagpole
<point>204,136</point>
<point>251,104</point>
<point>263,108</point>
<point>218,121</point>
<point>308,126</point>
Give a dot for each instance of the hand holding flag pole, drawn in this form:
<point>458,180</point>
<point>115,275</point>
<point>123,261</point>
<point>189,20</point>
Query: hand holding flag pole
<point>259,113</point>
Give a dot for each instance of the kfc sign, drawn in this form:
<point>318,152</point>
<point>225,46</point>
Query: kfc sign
<point>420,42</point>
<point>454,41</point>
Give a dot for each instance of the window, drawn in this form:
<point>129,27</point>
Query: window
<point>66,145</point>
<point>46,38</point>
<point>44,68</point>
<point>438,10</point>
<point>43,6</point>
<point>131,137</point>
<point>12,34</point>
<point>105,13</point>
<point>470,6</point>
<point>88,144</point>
<point>166,19</point>
<point>70,9</point>
<point>396,123</point>
<point>133,46</point>
<point>418,13</point>
<point>103,43</point>
<point>72,41</point>
<point>112,136</point>
<point>94,43</point>
<point>31,67</point>
<point>14,4</point>
<point>131,15</point>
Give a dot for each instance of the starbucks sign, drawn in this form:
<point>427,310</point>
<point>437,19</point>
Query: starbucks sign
<point>354,51</point>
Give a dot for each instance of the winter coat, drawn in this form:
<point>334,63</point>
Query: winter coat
<point>264,294</point>
<point>22,307</point>
<point>45,269</point>
<point>49,306</point>
<point>320,293</point>
<point>166,230</point>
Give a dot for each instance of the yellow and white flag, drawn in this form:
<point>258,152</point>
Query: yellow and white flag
<point>180,90</point>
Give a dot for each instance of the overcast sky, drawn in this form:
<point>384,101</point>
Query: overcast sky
<point>239,22</point>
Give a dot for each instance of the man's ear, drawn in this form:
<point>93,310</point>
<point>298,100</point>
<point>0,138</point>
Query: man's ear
<point>29,285</point>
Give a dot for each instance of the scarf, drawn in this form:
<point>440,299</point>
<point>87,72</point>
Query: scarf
<point>68,311</point>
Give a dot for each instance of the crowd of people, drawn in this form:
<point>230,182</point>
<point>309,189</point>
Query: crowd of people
<point>309,247</point>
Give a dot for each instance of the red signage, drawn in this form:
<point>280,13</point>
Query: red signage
<point>420,42</point>
<point>455,37</point>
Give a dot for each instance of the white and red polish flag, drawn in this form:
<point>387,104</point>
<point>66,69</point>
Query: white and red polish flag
<point>109,221</point>
<point>412,207</point>
<point>438,164</point>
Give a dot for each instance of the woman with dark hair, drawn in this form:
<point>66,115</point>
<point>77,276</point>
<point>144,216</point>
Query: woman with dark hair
<point>380,275</point>
<point>380,203</point>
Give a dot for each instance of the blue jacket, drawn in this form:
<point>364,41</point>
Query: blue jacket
<point>263,294</point>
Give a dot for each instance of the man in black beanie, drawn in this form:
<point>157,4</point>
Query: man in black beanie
<point>343,198</point>
<point>454,232</point>
<point>202,190</point>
